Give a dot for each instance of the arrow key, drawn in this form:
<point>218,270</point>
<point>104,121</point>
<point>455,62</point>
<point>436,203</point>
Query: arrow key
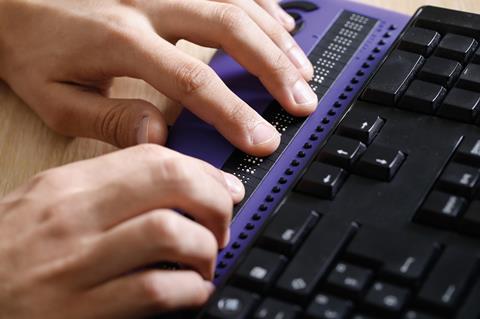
<point>342,151</point>
<point>380,162</point>
<point>361,126</point>
<point>322,180</point>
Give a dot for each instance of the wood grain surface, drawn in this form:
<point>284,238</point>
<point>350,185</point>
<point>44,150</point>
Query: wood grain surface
<point>27,146</point>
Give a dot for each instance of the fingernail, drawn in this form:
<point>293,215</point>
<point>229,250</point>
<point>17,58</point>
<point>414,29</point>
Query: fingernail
<point>142,133</point>
<point>299,59</point>
<point>303,94</point>
<point>263,133</point>
<point>210,287</point>
<point>235,186</point>
<point>286,19</point>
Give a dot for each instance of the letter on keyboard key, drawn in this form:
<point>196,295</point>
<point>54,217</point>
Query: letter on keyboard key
<point>361,126</point>
<point>469,151</point>
<point>232,303</point>
<point>380,162</point>
<point>387,298</point>
<point>393,253</point>
<point>322,180</point>
<point>470,78</point>
<point>274,309</point>
<point>456,47</point>
<point>460,179</point>
<point>328,307</point>
<point>288,229</point>
<point>342,151</point>
<point>441,209</point>
<point>423,97</point>
<point>349,279</point>
<point>461,105</point>
<point>393,78</point>
<point>419,40</point>
<point>312,261</point>
<point>259,269</point>
<point>448,280</point>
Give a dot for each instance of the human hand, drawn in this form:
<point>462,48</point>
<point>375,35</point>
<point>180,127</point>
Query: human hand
<point>60,56</point>
<point>76,241</point>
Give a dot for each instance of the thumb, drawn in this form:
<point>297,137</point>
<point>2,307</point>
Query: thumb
<point>120,122</point>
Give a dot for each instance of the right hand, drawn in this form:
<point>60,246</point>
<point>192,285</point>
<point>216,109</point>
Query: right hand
<point>60,57</point>
<point>77,241</point>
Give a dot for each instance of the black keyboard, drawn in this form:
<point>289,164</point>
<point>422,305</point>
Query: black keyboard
<point>385,222</point>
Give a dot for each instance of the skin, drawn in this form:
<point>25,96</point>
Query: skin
<point>73,237</point>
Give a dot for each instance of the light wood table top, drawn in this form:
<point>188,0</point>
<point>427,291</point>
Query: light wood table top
<point>27,146</point>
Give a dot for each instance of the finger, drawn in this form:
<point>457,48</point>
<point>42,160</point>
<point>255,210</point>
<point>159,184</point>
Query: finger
<point>147,293</point>
<point>148,177</point>
<point>231,28</point>
<point>280,36</point>
<point>120,122</point>
<point>153,237</point>
<point>272,7</point>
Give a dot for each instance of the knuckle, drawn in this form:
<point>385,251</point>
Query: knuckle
<point>177,173</point>
<point>192,77</point>
<point>163,227</point>
<point>152,288</point>
<point>108,123</point>
<point>51,179</point>
<point>231,17</point>
<point>60,223</point>
<point>281,65</point>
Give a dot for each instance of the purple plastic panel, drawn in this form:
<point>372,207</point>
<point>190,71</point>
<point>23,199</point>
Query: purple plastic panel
<point>193,137</point>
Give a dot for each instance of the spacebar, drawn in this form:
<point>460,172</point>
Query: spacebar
<point>313,259</point>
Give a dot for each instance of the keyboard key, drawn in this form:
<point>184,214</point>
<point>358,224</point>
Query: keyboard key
<point>461,105</point>
<point>361,126</point>
<point>423,97</point>
<point>313,260</point>
<point>380,162</point>
<point>470,222</point>
<point>322,180</point>
<point>259,269</point>
<point>300,5</point>
<point>444,21</point>
<point>460,179</point>
<point>387,298</point>
<point>470,78</point>
<point>449,279</point>
<point>471,308</point>
<point>476,57</point>
<point>274,309</point>
<point>393,254</point>
<point>413,314</point>
<point>232,303</point>
<point>421,41</point>
<point>328,307</point>
<point>442,209</point>
<point>456,47</point>
<point>288,229</point>
<point>469,151</point>
<point>342,151</point>
<point>441,71</point>
<point>349,279</point>
<point>393,78</point>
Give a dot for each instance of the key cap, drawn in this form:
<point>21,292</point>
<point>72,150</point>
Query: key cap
<point>361,126</point>
<point>380,162</point>
<point>470,222</point>
<point>393,254</point>
<point>423,97</point>
<point>393,78</point>
<point>441,71</point>
<point>232,303</point>
<point>419,40</point>
<point>461,105</point>
<point>349,279</point>
<point>459,179</point>
<point>341,151</point>
<point>476,57</point>
<point>306,6</point>
<point>413,314</point>
<point>470,78</point>
<point>313,259</point>
<point>470,308</point>
<point>322,180</point>
<point>327,307</point>
<point>448,280</point>
<point>387,298</point>
<point>444,21</point>
<point>441,209</point>
<point>274,309</point>
<point>288,228</point>
<point>456,47</point>
<point>259,269</point>
<point>469,151</point>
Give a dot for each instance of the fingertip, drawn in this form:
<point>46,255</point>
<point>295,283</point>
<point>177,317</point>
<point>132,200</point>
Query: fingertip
<point>285,19</point>
<point>152,129</point>
<point>270,142</point>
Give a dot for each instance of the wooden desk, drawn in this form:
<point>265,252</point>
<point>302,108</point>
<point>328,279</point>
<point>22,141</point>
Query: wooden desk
<point>28,147</point>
